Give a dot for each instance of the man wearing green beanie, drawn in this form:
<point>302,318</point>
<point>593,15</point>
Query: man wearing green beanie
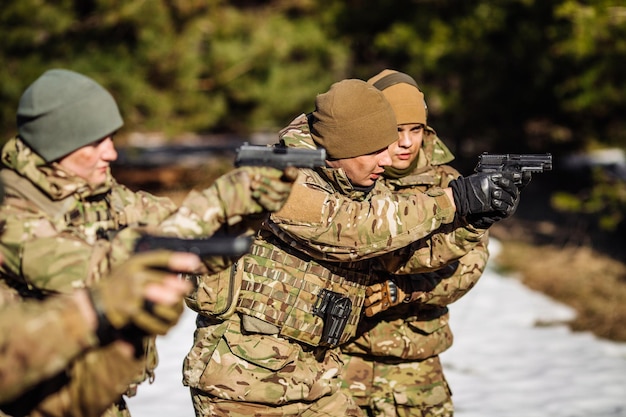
<point>275,349</point>
<point>68,223</point>
<point>63,111</point>
<point>40,338</point>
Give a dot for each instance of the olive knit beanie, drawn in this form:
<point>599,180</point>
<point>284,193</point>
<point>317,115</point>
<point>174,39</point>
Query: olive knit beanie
<point>403,94</point>
<point>352,119</point>
<point>63,111</point>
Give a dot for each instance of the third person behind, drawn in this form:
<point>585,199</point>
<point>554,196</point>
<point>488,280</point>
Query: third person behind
<point>393,365</point>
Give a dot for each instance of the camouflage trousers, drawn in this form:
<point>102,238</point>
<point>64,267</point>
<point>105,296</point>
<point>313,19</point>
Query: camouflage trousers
<point>416,388</point>
<point>336,405</point>
<point>234,373</point>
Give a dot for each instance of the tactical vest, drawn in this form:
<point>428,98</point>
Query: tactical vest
<point>302,299</point>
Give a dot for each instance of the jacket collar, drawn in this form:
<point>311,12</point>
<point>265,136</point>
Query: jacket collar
<point>49,178</point>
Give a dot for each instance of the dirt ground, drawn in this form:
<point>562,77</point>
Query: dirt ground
<point>590,281</point>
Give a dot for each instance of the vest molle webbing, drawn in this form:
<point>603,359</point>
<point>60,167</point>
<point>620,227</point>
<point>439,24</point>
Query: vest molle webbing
<point>309,302</point>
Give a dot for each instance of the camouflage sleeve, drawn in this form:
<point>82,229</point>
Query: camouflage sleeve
<point>87,388</point>
<point>447,245</point>
<point>38,256</point>
<point>37,340</point>
<point>200,214</point>
<point>332,226</point>
<point>141,208</point>
<point>63,263</point>
<point>99,378</point>
<point>227,202</point>
<point>465,276</point>
<point>43,253</point>
<point>450,284</point>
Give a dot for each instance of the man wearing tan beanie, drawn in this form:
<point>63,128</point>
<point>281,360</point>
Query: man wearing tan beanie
<point>388,375</point>
<point>300,291</point>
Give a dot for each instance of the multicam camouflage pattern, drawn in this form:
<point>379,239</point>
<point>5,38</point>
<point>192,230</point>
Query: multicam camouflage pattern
<point>336,404</point>
<point>59,229</point>
<point>230,365</point>
<point>230,205</point>
<point>21,327</point>
<point>283,288</point>
<point>87,389</point>
<point>333,227</point>
<point>401,389</point>
<point>393,367</point>
<point>62,234</point>
<point>228,201</point>
<point>268,353</point>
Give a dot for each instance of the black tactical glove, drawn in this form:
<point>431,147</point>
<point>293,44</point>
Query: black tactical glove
<point>485,192</point>
<point>486,220</point>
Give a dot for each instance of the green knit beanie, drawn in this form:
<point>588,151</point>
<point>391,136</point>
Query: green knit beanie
<point>63,111</point>
<point>352,119</point>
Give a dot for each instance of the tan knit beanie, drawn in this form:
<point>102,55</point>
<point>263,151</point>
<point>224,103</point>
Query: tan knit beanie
<point>352,119</point>
<point>403,94</point>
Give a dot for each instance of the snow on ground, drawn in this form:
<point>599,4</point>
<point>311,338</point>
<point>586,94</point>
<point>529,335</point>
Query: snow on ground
<point>502,364</point>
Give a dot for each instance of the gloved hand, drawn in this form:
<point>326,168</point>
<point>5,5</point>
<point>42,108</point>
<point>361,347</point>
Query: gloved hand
<point>382,296</point>
<point>486,220</point>
<point>272,189</point>
<point>485,192</point>
<point>125,297</point>
<point>253,190</point>
<point>526,177</point>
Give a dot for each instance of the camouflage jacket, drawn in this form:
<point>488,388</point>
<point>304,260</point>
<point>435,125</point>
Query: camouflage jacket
<point>39,340</point>
<point>62,234</point>
<point>420,329</point>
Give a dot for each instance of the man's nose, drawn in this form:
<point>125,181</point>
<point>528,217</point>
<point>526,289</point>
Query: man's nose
<point>109,153</point>
<point>404,139</point>
<point>384,158</point>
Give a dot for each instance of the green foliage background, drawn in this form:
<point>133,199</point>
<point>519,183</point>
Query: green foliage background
<point>499,75</point>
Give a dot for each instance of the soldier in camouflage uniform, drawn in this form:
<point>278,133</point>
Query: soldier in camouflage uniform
<point>267,346</point>
<point>70,327</point>
<point>392,366</point>
<point>68,222</point>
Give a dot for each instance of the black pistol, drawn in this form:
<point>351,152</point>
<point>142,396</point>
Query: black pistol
<point>520,165</point>
<point>219,245</point>
<point>279,156</point>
